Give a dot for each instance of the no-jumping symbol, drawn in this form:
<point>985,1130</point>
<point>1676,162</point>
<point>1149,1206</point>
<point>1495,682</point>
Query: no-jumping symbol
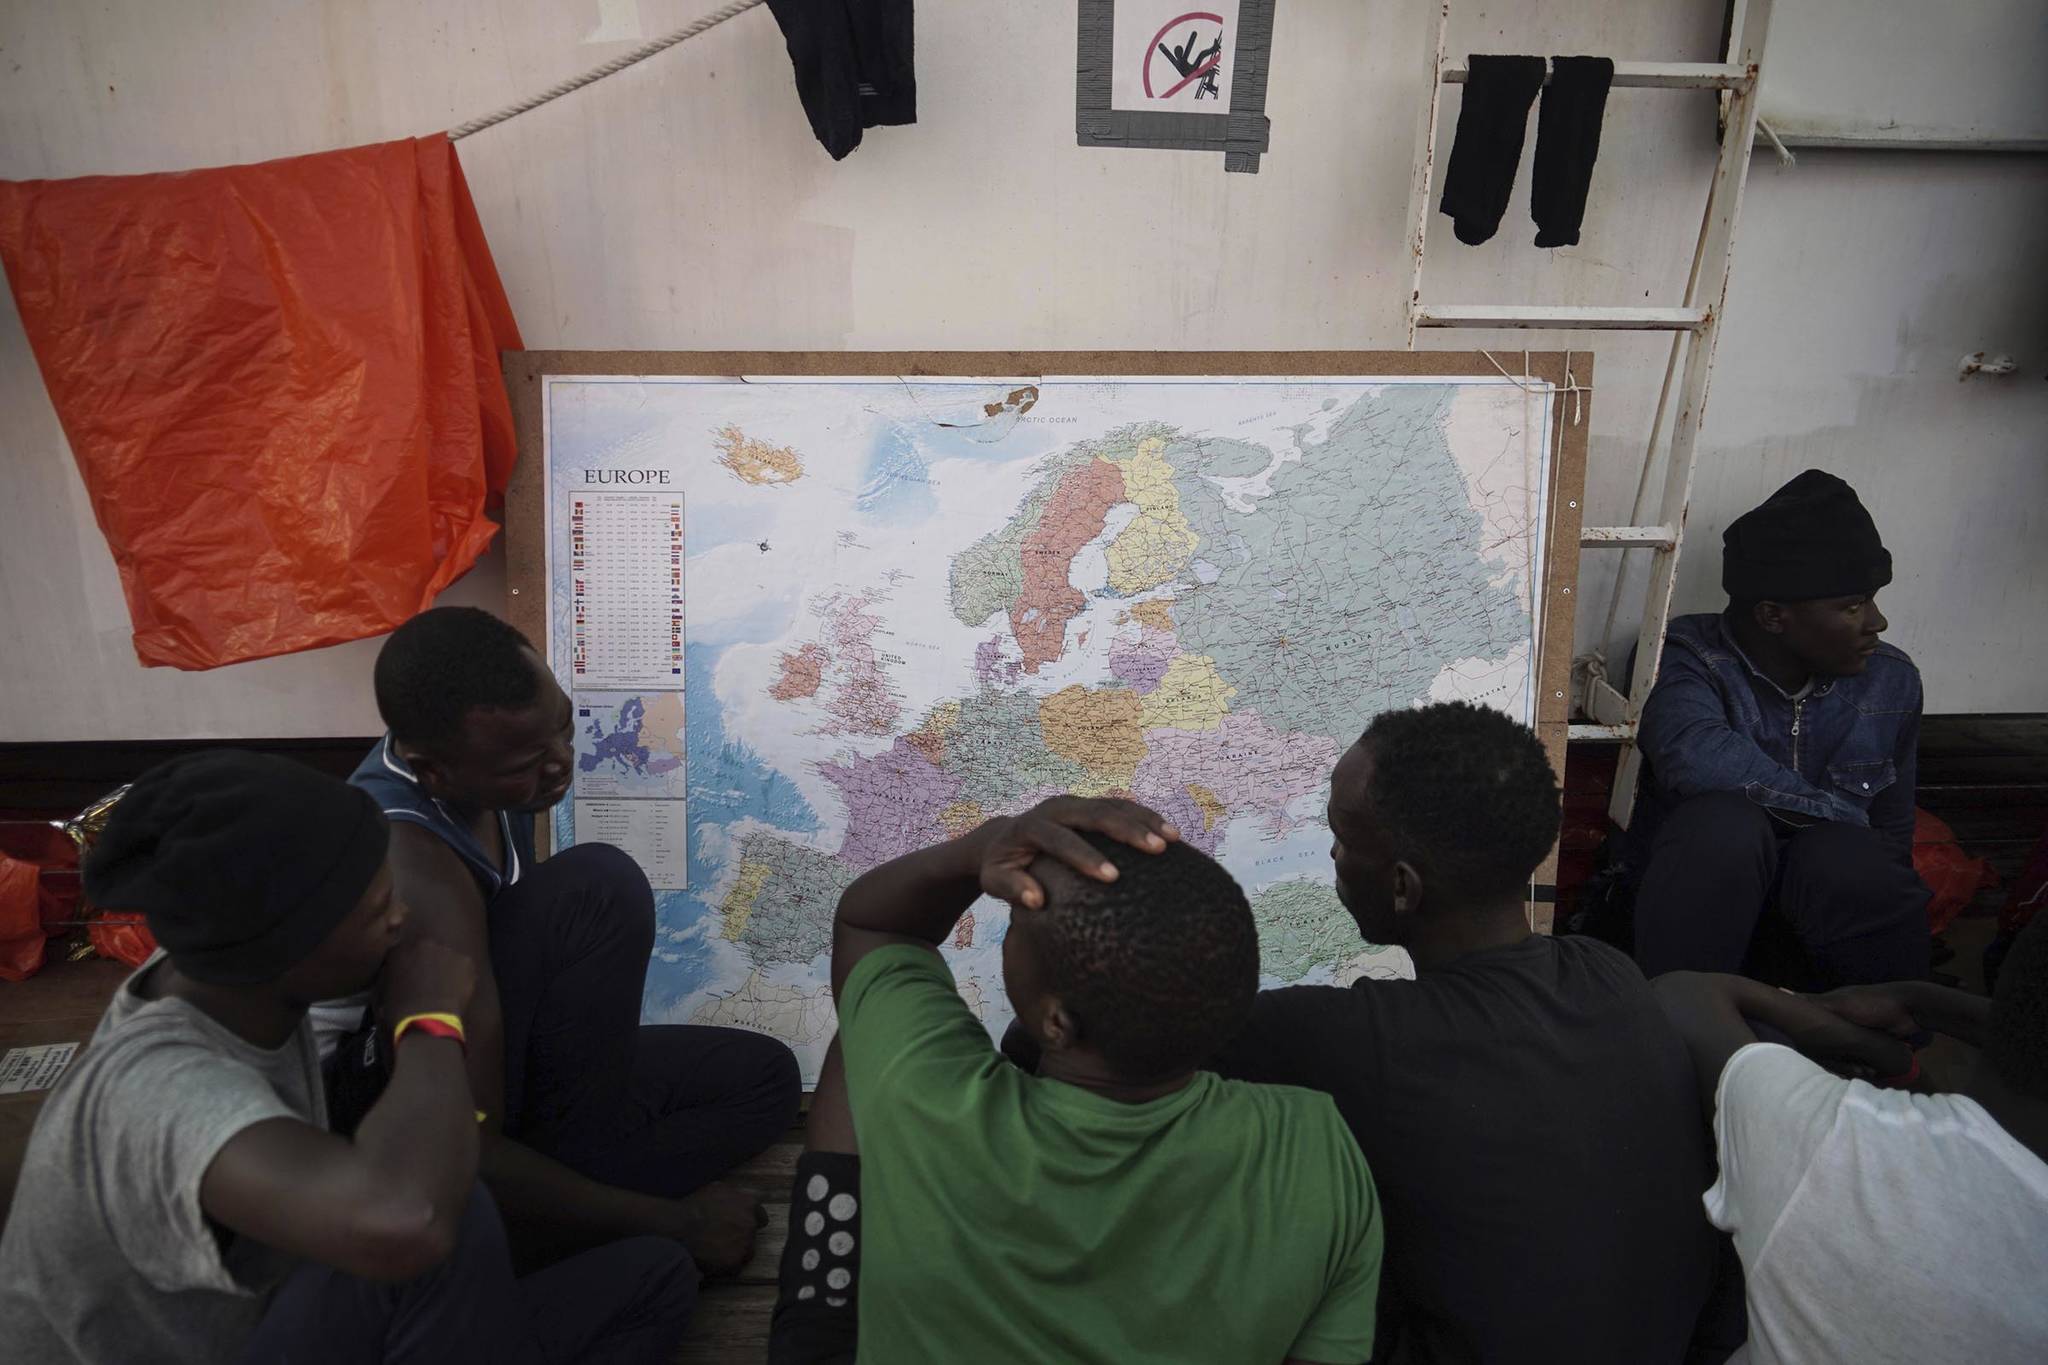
<point>1197,57</point>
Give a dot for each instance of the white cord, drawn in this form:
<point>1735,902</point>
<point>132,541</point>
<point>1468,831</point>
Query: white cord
<point>612,67</point>
<point>1572,387</point>
<point>1785,157</point>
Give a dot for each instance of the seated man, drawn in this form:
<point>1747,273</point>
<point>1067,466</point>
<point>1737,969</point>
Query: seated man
<point>596,1127</point>
<point>1877,1225</point>
<point>182,1199</point>
<point>1779,758</point>
<point>1527,1113</point>
<point>1120,1206</point>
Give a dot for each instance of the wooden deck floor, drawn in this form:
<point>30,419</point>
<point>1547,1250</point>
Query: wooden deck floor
<point>732,1314</point>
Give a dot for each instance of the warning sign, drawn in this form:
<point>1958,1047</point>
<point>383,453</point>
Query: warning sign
<point>1170,57</point>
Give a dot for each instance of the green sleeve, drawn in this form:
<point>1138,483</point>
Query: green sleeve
<point>1340,1331</point>
<point>906,1036</point>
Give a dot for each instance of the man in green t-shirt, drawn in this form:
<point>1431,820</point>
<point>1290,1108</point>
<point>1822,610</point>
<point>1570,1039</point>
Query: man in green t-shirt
<point>1119,1206</point>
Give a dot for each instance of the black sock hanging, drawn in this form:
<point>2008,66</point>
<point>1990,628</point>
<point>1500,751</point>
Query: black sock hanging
<point>1495,114</point>
<point>1567,141</point>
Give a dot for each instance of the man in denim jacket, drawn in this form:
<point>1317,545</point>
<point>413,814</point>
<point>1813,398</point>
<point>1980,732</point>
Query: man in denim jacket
<point>1779,759</point>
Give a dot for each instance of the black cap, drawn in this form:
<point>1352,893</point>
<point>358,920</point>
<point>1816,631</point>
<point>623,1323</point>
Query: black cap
<point>1812,538</point>
<point>241,863</point>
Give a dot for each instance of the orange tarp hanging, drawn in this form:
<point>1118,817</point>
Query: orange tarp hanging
<point>281,386</point>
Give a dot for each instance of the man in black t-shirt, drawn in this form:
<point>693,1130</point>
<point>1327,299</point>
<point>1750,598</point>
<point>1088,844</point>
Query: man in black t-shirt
<point>1529,1115</point>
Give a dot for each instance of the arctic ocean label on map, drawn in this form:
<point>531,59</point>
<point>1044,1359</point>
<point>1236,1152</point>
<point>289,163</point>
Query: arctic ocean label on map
<point>913,607</point>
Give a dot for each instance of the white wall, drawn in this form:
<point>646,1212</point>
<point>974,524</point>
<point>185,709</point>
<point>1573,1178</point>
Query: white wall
<point>684,205</point>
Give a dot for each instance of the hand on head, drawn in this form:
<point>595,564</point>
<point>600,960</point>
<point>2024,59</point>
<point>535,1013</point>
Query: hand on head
<point>1049,830</point>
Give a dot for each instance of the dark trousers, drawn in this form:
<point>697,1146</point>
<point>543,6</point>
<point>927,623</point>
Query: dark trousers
<point>661,1109</point>
<point>1728,888</point>
<point>620,1304</point>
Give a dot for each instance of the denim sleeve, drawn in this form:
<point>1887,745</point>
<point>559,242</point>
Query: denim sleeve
<point>1694,750</point>
<point>1891,810</point>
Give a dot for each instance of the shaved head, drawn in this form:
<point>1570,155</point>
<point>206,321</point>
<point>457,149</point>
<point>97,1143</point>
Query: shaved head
<point>1158,967</point>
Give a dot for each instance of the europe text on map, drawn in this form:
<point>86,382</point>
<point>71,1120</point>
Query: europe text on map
<point>912,605</point>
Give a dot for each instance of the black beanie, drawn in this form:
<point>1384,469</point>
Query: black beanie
<point>1811,538</point>
<point>241,863</point>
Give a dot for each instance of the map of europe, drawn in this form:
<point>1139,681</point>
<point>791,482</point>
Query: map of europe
<point>914,605</point>
<point>630,745</point>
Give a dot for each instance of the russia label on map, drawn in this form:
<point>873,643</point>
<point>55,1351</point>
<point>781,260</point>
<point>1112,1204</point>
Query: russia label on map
<point>916,605</point>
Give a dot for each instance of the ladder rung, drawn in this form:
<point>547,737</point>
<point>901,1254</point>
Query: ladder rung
<point>1600,732</point>
<point>1625,537</point>
<point>1564,317</point>
<point>1651,75</point>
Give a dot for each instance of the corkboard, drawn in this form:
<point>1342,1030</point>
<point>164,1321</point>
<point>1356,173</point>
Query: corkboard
<point>1570,416</point>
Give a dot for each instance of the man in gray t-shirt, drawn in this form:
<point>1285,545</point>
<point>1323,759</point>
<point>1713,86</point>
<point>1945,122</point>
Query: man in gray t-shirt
<point>161,1089</point>
<point>181,1199</point>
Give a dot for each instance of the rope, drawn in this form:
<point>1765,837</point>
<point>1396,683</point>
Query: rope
<point>1585,668</point>
<point>1572,388</point>
<point>1785,157</point>
<point>595,74</point>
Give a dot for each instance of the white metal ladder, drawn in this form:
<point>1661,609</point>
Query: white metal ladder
<point>1694,325</point>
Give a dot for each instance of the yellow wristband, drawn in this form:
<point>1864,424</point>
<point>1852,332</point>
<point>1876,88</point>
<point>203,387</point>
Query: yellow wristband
<point>450,1022</point>
<point>481,1116</point>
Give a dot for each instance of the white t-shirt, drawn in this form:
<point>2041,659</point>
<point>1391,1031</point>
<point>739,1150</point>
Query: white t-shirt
<point>1876,1225</point>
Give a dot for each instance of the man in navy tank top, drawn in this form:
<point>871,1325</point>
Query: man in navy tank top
<point>595,1127</point>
